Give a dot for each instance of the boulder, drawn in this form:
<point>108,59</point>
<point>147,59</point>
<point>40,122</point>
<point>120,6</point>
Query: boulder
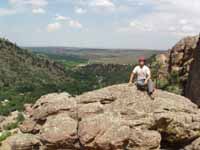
<point>29,126</point>
<point>21,142</point>
<point>59,131</point>
<point>52,104</point>
<point>195,145</point>
<point>28,109</point>
<point>110,132</point>
<point>118,117</point>
<point>124,110</point>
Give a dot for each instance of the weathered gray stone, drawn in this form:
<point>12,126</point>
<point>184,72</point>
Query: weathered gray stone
<point>118,117</point>
<point>21,142</point>
<point>193,84</point>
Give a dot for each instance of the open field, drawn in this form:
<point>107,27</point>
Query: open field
<point>107,56</point>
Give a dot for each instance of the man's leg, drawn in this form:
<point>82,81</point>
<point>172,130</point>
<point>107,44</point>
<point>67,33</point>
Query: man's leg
<point>150,87</point>
<point>140,84</point>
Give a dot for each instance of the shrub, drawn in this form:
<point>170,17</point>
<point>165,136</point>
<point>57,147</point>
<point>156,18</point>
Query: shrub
<point>11,126</point>
<point>20,118</point>
<point>174,89</point>
<point>4,135</point>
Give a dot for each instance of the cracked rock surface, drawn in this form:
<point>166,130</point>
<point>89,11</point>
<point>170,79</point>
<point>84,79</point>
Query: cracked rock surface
<point>118,117</point>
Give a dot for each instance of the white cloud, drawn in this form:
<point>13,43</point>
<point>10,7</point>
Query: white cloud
<point>172,29</point>
<point>168,19</point>
<point>5,12</point>
<point>79,10</point>
<point>61,18</point>
<point>82,6</point>
<point>183,21</point>
<point>75,24</point>
<point>71,22</point>
<point>137,25</point>
<point>38,11</point>
<point>33,3</point>
<point>102,3</point>
<point>22,6</point>
<point>95,5</point>
<point>187,28</point>
<point>53,27</point>
<point>140,4</point>
<point>191,7</point>
<point>176,17</point>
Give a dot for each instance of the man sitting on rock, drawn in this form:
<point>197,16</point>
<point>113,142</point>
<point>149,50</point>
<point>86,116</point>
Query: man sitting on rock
<point>143,74</point>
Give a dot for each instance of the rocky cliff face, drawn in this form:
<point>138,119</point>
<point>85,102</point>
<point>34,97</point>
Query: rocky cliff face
<point>181,57</point>
<point>193,84</point>
<point>184,58</point>
<point>159,65</point>
<point>118,117</point>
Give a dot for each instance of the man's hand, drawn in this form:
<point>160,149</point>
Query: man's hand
<point>145,82</point>
<point>130,83</point>
<point>131,79</point>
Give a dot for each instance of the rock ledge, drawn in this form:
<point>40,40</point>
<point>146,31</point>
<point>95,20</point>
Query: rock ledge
<point>118,117</point>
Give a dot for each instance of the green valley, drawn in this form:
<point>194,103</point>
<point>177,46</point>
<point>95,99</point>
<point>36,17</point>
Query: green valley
<point>27,74</point>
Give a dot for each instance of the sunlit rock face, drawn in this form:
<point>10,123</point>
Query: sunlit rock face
<point>118,117</point>
<point>184,58</point>
<point>193,84</point>
<point>181,56</point>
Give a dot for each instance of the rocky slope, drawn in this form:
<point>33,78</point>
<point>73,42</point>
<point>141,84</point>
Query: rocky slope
<point>118,117</point>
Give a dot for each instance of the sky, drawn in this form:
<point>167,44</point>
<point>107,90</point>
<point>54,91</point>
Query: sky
<point>151,24</point>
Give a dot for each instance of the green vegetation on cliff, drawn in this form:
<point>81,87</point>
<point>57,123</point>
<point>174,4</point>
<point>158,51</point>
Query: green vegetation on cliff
<point>24,77</point>
<point>162,78</point>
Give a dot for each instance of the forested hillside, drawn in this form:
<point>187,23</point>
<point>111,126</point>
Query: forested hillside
<point>97,76</point>
<point>25,76</point>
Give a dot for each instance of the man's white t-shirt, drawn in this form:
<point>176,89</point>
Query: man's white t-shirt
<point>141,72</point>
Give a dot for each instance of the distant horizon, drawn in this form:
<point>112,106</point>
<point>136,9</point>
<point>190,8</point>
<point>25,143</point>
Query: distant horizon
<point>96,48</point>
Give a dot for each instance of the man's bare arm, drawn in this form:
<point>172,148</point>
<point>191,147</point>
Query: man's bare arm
<point>147,79</point>
<point>131,78</point>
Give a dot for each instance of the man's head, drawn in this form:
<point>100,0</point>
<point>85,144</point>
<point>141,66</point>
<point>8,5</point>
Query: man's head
<point>141,61</point>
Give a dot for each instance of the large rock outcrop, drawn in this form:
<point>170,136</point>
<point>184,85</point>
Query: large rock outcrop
<point>181,56</point>
<point>184,58</point>
<point>118,117</point>
<point>192,89</point>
